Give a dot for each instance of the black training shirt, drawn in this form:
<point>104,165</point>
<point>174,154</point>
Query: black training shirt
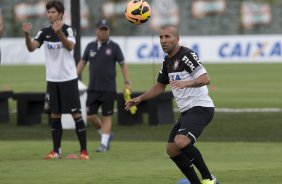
<point>102,67</point>
<point>185,65</point>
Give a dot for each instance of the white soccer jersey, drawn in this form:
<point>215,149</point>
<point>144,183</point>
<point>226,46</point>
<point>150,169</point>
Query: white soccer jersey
<point>60,64</point>
<point>185,65</point>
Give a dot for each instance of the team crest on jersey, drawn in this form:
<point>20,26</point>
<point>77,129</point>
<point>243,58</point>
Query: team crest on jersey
<point>108,52</point>
<point>92,53</point>
<point>176,64</point>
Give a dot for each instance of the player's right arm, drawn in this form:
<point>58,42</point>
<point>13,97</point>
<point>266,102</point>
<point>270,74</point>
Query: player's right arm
<point>83,61</point>
<point>80,66</point>
<point>155,90</point>
<point>30,44</point>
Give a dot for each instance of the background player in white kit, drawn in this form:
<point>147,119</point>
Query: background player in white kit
<point>62,86</point>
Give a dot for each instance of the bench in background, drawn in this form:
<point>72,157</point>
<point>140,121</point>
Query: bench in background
<point>30,107</point>
<point>4,105</point>
<point>159,110</point>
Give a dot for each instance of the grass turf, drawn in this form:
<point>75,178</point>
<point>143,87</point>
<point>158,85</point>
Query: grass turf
<point>249,127</point>
<point>233,85</point>
<point>138,154</point>
<point>136,162</point>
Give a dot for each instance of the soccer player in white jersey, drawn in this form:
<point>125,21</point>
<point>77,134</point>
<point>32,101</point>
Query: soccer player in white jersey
<point>187,78</point>
<point>58,40</point>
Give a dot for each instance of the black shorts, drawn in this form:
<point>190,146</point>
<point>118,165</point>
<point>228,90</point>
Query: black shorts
<point>192,122</point>
<point>105,99</point>
<point>63,97</point>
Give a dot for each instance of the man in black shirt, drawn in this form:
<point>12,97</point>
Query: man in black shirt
<point>102,55</point>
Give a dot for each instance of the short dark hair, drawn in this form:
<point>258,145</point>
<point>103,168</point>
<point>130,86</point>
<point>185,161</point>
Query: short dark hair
<point>174,28</point>
<point>58,5</point>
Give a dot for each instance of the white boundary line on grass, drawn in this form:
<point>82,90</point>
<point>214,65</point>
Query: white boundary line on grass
<point>242,110</point>
<point>232,110</point>
<point>248,110</point>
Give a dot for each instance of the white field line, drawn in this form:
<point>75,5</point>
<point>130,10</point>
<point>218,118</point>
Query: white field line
<point>248,110</point>
<point>242,110</point>
<point>227,110</point>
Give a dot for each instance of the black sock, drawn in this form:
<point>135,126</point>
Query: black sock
<point>81,132</point>
<point>196,157</point>
<point>57,132</point>
<point>186,166</point>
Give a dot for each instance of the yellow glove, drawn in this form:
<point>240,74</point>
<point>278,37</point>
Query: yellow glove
<point>127,97</point>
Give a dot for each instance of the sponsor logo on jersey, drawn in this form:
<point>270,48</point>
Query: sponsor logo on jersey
<point>174,77</point>
<point>195,56</point>
<point>188,63</point>
<point>55,46</point>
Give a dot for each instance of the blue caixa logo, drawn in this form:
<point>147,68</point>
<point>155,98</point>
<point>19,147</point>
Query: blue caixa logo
<point>258,49</point>
<point>154,51</point>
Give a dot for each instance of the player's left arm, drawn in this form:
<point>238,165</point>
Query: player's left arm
<point>202,80</point>
<point>57,27</point>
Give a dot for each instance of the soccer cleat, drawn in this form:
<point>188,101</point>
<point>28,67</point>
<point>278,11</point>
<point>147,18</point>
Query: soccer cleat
<point>208,181</point>
<point>53,155</point>
<point>215,179</point>
<point>84,155</point>
<point>102,148</point>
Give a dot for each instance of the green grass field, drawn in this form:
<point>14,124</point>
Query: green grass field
<point>233,85</point>
<point>240,148</point>
<point>138,163</point>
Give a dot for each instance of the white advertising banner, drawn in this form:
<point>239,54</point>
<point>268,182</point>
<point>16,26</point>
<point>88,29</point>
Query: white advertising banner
<point>211,49</point>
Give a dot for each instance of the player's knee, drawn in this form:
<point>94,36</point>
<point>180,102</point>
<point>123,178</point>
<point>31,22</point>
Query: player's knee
<point>172,150</point>
<point>93,118</point>
<point>76,115</point>
<point>169,150</point>
<point>181,141</point>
